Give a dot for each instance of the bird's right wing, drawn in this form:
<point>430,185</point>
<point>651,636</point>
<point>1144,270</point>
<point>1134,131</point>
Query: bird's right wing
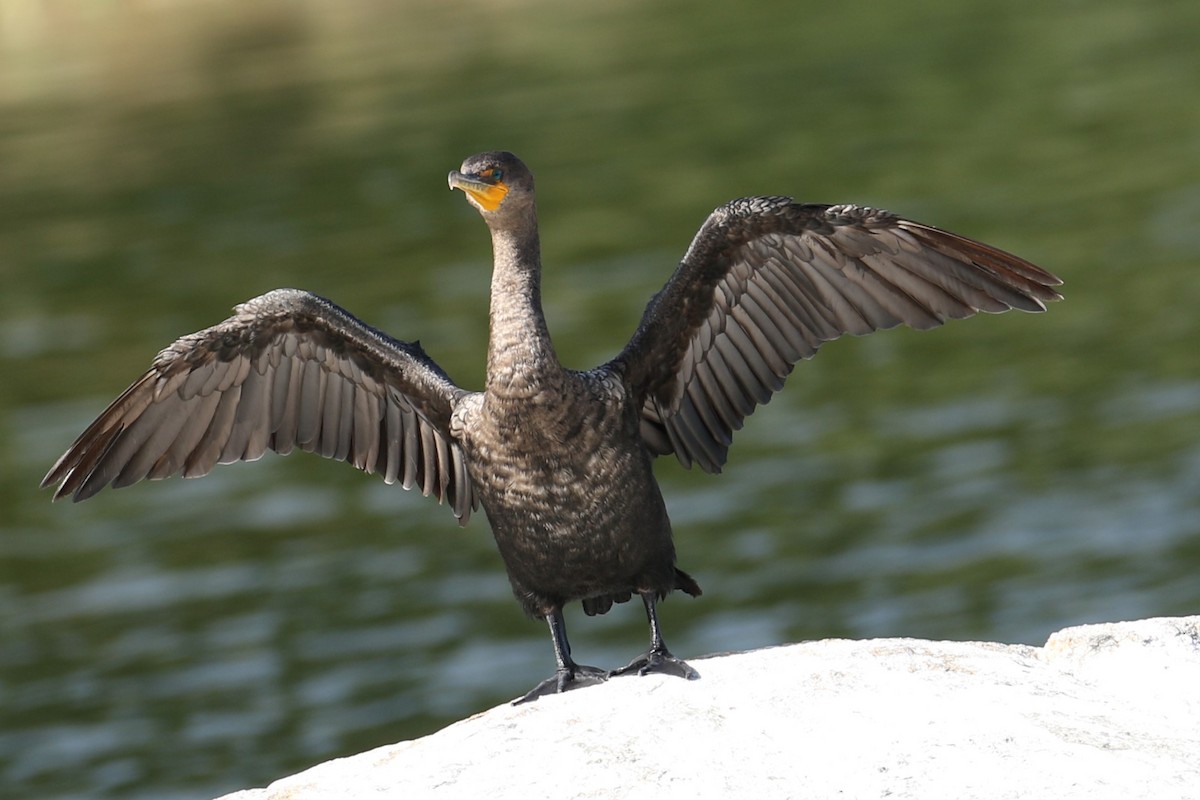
<point>288,369</point>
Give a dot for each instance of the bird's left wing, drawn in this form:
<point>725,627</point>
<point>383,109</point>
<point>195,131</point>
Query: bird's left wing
<point>289,369</point>
<point>767,281</point>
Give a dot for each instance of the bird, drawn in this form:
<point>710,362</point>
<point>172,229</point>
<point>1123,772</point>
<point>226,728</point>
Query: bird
<point>560,460</point>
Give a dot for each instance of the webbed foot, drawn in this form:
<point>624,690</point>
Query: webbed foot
<point>565,679</point>
<point>658,661</point>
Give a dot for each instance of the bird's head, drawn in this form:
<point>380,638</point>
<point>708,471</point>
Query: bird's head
<point>496,183</point>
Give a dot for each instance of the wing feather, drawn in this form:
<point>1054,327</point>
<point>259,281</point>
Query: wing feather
<point>285,401</point>
<point>391,434</point>
<point>414,455</point>
<point>312,399</point>
<point>250,433</point>
<point>127,461</point>
<point>767,281</point>
<point>208,453</point>
<point>366,419</point>
<point>287,369</point>
<point>198,419</point>
<point>328,442</point>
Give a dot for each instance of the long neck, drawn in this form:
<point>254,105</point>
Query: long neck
<point>519,349</point>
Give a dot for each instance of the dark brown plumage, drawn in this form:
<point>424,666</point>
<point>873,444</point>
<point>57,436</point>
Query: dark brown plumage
<point>559,460</point>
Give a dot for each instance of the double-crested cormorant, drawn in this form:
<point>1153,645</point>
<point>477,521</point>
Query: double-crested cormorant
<point>559,460</point>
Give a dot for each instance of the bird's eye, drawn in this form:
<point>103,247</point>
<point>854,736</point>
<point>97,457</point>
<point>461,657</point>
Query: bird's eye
<point>495,174</point>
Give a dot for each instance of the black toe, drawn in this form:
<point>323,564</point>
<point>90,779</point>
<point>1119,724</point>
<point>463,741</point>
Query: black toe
<point>660,662</point>
<point>564,680</point>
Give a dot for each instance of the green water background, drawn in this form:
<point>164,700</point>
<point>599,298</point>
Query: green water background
<point>997,479</point>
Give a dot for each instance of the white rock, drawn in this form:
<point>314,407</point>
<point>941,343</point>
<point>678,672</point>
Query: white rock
<point>1102,711</point>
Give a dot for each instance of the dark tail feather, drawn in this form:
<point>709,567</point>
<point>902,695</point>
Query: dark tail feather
<point>687,583</point>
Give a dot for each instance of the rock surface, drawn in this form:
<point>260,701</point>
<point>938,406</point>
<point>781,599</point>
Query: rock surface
<point>1102,711</point>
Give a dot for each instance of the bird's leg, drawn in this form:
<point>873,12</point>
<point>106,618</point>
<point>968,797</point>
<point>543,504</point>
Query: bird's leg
<point>569,675</point>
<point>658,658</point>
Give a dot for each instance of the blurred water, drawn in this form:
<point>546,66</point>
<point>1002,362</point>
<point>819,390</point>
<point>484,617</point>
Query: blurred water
<point>997,479</point>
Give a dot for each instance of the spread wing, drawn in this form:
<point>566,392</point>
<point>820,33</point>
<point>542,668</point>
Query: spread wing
<point>288,369</point>
<point>767,281</point>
